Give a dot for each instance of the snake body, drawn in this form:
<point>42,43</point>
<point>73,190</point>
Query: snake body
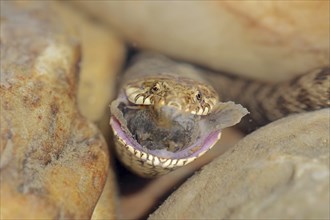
<point>268,102</point>
<point>167,114</point>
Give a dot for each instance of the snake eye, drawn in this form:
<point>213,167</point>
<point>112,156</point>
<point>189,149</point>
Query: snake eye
<point>155,88</point>
<point>199,96</point>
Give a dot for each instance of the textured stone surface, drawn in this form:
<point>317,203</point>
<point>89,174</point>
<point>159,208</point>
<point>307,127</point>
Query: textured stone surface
<point>281,171</point>
<point>53,162</point>
<point>269,40</point>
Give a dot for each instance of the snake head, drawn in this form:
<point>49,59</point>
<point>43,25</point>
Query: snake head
<point>193,118</point>
<point>182,93</point>
<point>166,116</point>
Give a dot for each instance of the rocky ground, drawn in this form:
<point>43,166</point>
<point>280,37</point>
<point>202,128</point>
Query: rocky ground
<point>60,70</point>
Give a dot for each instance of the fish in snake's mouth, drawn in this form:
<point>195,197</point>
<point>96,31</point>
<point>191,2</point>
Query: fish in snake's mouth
<point>168,129</point>
<point>168,135</point>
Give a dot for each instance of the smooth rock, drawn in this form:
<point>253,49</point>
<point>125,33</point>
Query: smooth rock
<point>266,40</point>
<point>280,171</point>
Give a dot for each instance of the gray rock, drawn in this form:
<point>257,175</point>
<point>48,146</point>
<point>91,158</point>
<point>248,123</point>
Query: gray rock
<point>281,171</point>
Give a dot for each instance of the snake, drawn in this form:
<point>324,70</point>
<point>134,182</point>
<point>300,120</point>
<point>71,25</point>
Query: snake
<point>169,113</point>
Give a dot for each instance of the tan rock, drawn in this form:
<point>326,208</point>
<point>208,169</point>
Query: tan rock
<point>268,40</point>
<point>103,54</point>
<point>53,162</point>
<point>281,171</point>
<point>106,207</point>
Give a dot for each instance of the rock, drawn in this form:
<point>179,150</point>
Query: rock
<point>281,171</point>
<point>268,40</point>
<point>103,54</point>
<point>106,207</point>
<point>53,161</point>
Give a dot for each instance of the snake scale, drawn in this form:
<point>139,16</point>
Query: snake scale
<point>169,113</point>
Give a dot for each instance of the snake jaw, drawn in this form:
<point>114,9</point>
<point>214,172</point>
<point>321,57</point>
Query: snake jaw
<point>154,162</point>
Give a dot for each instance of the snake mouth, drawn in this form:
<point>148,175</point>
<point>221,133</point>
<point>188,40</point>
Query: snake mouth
<point>178,141</point>
<point>151,144</point>
<point>197,149</point>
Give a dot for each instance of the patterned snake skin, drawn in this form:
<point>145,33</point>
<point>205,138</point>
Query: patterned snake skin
<point>155,81</point>
<point>269,102</point>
